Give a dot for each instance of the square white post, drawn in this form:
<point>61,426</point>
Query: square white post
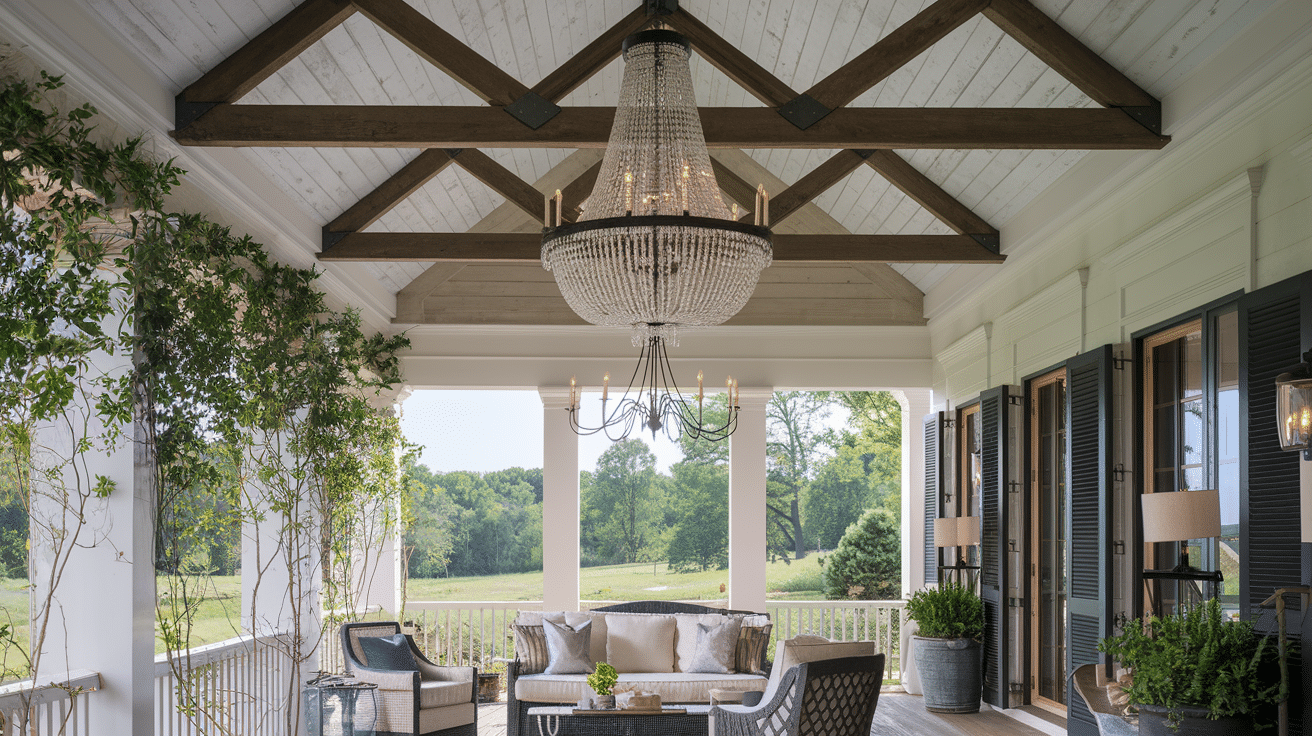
<point>915,403</point>
<point>98,609</point>
<point>560,503</point>
<point>747,513</point>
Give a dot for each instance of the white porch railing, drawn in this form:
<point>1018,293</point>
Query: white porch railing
<point>478,632</point>
<point>238,686</point>
<point>60,704</point>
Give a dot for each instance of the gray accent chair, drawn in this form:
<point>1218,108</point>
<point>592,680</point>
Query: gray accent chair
<point>829,697</point>
<point>432,700</point>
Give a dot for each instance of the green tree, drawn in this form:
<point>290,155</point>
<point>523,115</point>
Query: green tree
<point>700,538</point>
<point>868,562</point>
<point>837,497</point>
<point>623,497</point>
<point>795,438</point>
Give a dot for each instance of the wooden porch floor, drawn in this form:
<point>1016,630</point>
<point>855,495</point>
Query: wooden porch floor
<point>898,714</point>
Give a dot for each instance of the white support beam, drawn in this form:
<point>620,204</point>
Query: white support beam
<point>915,403</point>
<point>560,503</point>
<point>747,502</point>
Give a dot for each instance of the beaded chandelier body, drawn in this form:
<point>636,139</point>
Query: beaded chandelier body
<point>656,248</point>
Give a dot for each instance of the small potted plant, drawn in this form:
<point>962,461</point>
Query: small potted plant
<point>602,681</point>
<point>947,649</point>
<point>1197,673</point>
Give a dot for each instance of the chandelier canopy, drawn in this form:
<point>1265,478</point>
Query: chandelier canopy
<point>656,248</point>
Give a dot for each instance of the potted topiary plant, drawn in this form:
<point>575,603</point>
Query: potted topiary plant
<point>1197,673</point>
<point>947,649</point>
<point>601,681</point>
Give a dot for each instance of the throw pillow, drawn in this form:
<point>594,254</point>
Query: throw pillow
<point>531,648</point>
<point>567,648</point>
<point>685,636</point>
<point>749,656</point>
<point>715,648</point>
<point>387,653</point>
<point>803,649</point>
<point>640,643</point>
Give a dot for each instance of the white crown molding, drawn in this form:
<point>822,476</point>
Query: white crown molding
<point>1148,239</point>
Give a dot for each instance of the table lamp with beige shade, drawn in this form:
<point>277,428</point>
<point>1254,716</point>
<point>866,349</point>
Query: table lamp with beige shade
<point>1180,517</point>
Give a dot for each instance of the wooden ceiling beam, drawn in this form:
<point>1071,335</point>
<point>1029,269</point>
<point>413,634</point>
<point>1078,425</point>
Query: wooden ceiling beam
<point>814,183</point>
<point>893,51</point>
<point>400,126</point>
<point>736,65</point>
<point>503,181</point>
<point>593,58</point>
<point>443,50</point>
<point>929,195</point>
<point>258,59</point>
<point>1044,38</point>
<point>575,192</point>
<point>390,193</point>
<point>527,248</point>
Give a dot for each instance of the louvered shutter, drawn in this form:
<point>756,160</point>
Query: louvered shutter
<point>1272,323</point>
<point>1089,493</point>
<point>934,459</point>
<point>993,542</point>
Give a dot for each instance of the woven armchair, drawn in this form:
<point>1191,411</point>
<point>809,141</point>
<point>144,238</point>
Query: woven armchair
<point>831,697</point>
<point>433,700</point>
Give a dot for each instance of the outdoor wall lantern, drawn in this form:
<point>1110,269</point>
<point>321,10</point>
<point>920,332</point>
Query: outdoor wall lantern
<point>1180,517</point>
<point>1294,407</point>
<point>959,532</point>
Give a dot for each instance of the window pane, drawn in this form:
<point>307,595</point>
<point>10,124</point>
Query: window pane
<point>1227,456</point>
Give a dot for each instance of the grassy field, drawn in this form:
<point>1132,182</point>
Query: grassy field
<point>800,580</point>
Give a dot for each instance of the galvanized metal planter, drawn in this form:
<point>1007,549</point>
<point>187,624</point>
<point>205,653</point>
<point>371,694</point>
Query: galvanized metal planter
<point>951,674</point>
<point>1156,720</point>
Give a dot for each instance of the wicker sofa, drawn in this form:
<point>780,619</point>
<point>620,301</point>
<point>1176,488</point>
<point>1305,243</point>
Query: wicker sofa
<point>524,691</point>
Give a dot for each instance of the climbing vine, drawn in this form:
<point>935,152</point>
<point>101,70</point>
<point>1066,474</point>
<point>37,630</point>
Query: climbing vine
<point>263,412</point>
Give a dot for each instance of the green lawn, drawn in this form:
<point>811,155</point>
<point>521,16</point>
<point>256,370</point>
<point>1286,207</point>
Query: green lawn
<point>800,580</point>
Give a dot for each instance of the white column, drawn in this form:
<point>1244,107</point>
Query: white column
<point>747,502</point>
<point>92,562</point>
<point>381,560</point>
<point>915,403</point>
<point>560,503</point>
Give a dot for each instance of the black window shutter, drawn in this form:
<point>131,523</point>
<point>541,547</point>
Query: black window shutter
<point>1088,489</point>
<point>993,542</point>
<point>934,458</point>
<point>1272,326</point>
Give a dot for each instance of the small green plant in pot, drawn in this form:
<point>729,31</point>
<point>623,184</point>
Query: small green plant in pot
<point>1197,673</point>
<point>947,648</point>
<point>602,680</point>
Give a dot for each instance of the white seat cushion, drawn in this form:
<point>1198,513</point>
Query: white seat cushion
<point>674,687</point>
<point>435,693</point>
<point>789,653</point>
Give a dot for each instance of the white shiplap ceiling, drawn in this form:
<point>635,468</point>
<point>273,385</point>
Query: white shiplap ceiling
<point>1154,42</point>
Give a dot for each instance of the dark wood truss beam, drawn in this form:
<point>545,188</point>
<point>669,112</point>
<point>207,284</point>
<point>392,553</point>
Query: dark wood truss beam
<point>1044,38</point>
<point>876,63</point>
<point>815,183</point>
<point>443,50</point>
<point>575,192</point>
<point>527,248</point>
<point>502,181</point>
<point>390,193</point>
<point>399,126</point>
<point>593,58</point>
<point>1101,81</point>
<point>736,65</point>
<point>281,42</point>
<point>931,196</point>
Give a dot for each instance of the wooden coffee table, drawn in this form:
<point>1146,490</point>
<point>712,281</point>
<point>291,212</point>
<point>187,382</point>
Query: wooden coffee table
<point>675,720</point>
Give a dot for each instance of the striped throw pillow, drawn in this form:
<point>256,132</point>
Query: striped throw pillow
<point>749,656</point>
<point>530,648</point>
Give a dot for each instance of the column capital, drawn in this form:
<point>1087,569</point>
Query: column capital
<point>754,397</point>
<point>554,397</point>
<point>389,398</point>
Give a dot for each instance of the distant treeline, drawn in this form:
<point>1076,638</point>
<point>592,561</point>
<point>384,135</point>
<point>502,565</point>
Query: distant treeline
<point>820,481</point>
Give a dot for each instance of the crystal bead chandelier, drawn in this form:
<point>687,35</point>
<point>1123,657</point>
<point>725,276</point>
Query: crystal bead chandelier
<point>656,248</point>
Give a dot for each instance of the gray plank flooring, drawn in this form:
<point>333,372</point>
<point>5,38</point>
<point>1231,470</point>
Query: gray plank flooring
<point>898,714</point>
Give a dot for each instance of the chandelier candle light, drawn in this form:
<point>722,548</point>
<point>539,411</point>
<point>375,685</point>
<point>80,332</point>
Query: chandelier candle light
<point>655,248</point>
